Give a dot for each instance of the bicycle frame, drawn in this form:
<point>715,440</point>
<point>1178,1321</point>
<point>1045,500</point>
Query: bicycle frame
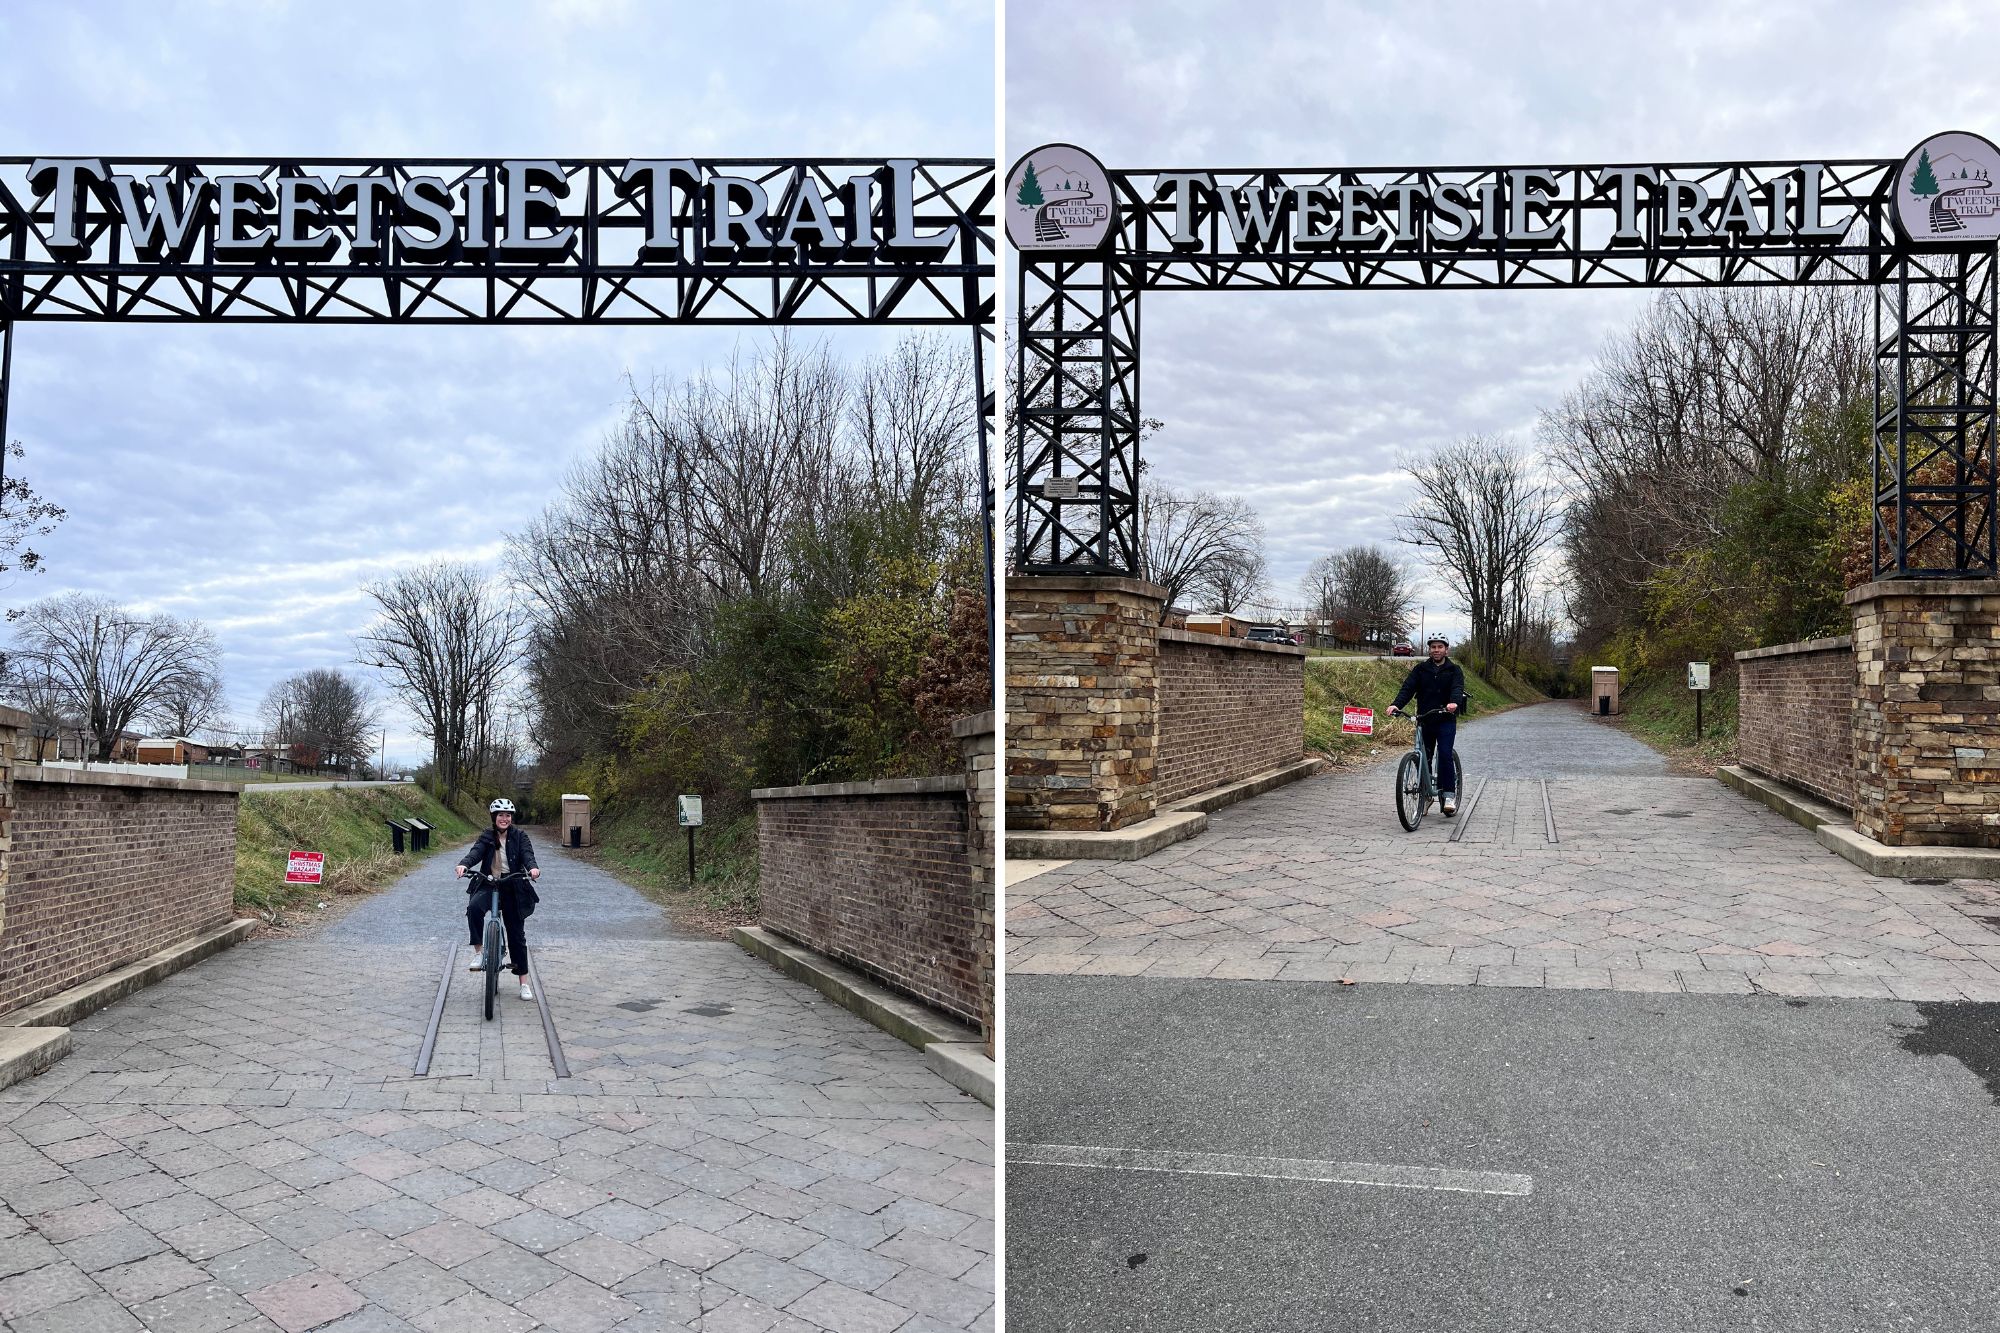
<point>1422,753</point>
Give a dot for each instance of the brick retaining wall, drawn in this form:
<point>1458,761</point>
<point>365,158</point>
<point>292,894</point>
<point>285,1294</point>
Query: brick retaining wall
<point>1229,708</point>
<point>894,878</point>
<point>1795,717</point>
<point>105,869</point>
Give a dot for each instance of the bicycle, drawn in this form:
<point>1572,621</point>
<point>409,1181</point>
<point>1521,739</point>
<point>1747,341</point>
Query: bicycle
<point>1416,784</point>
<point>490,939</point>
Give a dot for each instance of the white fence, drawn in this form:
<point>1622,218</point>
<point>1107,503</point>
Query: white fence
<point>141,770</point>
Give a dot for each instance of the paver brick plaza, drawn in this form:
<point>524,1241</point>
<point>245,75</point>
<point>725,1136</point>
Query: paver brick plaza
<point>243,1147</point>
<point>1656,883</point>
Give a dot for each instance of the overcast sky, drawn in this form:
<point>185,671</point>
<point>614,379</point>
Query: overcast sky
<point>1301,401</point>
<point>255,477</point>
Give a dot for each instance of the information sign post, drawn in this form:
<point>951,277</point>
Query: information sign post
<point>690,817</point>
<point>1698,682</point>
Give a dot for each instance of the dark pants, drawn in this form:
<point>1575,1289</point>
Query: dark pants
<point>1439,733</point>
<point>510,917</point>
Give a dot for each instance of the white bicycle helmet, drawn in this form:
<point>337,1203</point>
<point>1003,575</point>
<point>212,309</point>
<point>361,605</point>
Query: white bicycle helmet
<point>501,805</point>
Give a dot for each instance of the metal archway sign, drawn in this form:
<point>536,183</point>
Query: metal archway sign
<point>1920,231</point>
<point>898,241</point>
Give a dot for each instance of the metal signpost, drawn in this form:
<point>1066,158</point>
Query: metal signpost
<point>1698,682</point>
<point>690,817</point>
<point>1093,241</point>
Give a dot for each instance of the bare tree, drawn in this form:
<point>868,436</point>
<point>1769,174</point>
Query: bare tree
<point>1362,589</point>
<point>1487,519</point>
<point>750,452</point>
<point>189,705</point>
<point>322,717</point>
<point>24,516</point>
<point>110,665</point>
<point>447,644</point>
<point>34,689</point>
<point>912,420</point>
<point>1187,536</point>
<point>1233,580</point>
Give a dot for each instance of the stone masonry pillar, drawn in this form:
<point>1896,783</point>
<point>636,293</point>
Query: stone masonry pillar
<point>1082,701</point>
<point>1927,712</point>
<point>982,827</point>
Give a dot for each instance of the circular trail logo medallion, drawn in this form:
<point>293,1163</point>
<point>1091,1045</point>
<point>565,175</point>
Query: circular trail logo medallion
<point>1058,198</point>
<point>1948,191</point>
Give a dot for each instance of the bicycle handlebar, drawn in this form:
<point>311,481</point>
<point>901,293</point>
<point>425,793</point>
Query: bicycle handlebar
<point>1418,717</point>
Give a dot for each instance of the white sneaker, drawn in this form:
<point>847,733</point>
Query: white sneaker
<point>475,965</point>
<point>526,994</point>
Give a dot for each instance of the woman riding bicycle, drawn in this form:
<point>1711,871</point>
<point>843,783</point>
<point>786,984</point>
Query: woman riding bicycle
<point>502,850</point>
<point>1438,684</point>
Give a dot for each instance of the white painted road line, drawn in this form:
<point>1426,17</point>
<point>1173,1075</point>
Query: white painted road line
<point>1270,1168</point>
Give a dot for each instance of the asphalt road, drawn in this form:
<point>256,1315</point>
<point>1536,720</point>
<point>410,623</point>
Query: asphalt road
<point>1697,1162</point>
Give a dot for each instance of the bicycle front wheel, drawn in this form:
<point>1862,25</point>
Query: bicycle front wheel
<point>491,956</point>
<point>1410,792</point>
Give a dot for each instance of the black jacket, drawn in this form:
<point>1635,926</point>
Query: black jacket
<point>520,856</point>
<point>1434,684</point>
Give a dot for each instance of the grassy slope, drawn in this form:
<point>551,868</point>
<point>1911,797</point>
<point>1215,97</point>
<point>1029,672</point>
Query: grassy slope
<point>648,849</point>
<point>1333,683</point>
<point>347,823</point>
<point>1659,710</point>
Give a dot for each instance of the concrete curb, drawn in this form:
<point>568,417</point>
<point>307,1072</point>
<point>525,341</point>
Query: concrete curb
<point>26,1052</point>
<point>1833,830</point>
<point>964,1065</point>
<point>953,1050</point>
<point>1909,862</point>
<point>1127,844</point>
<point>1184,819</point>
<point>1793,804</point>
<point>1216,798</point>
<point>66,1007</point>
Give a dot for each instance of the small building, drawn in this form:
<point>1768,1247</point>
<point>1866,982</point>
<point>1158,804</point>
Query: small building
<point>171,750</point>
<point>1218,622</point>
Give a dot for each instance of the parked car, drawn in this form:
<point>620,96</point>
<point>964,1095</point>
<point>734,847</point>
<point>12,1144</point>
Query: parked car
<point>1271,634</point>
<point>1404,650</point>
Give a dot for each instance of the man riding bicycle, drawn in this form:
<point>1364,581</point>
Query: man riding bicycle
<point>1437,684</point>
<point>499,851</point>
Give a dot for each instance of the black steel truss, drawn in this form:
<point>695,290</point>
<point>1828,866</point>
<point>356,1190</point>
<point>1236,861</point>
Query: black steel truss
<point>603,277</point>
<point>1077,418</point>
<point>1934,419</point>
<point>600,279</point>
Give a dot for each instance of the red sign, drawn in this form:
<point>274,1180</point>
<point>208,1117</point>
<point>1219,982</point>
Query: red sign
<point>304,867</point>
<point>1357,722</point>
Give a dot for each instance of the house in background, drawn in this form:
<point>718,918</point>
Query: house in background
<point>172,750</point>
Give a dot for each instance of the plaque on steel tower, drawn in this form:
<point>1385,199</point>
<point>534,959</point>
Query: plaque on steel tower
<point>1059,198</point>
<point>1948,191</point>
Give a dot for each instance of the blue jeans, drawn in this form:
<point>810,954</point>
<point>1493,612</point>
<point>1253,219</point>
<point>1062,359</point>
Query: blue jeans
<point>1439,733</point>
